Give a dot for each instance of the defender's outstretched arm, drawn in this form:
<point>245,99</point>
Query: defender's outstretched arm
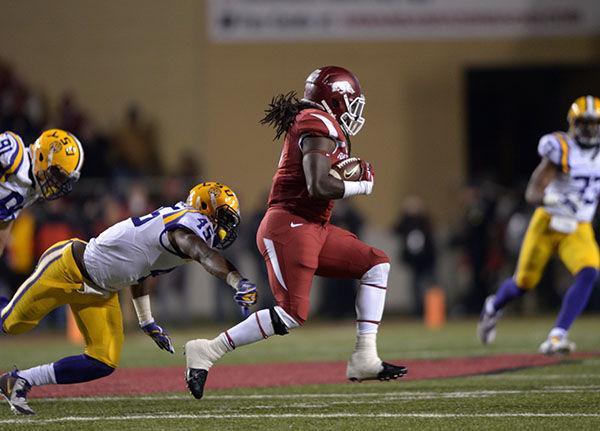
<point>195,248</point>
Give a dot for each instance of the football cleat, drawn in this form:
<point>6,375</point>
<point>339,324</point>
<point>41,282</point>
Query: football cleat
<point>14,389</point>
<point>195,378</point>
<point>368,367</point>
<point>557,345</point>
<point>200,355</point>
<point>385,372</point>
<point>486,327</point>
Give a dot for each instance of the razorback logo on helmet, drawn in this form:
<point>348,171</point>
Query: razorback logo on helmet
<point>337,91</point>
<point>342,87</point>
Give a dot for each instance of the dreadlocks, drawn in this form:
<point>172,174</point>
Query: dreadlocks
<point>282,110</point>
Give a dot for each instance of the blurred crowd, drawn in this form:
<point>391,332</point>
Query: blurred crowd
<point>123,177</point>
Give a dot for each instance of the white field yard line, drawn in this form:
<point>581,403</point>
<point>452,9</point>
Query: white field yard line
<point>422,415</point>
<point>389,395</point>
<point>503,376</point>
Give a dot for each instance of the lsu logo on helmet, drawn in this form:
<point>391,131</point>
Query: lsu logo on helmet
<point>219,203</point>
<point>57,160</point>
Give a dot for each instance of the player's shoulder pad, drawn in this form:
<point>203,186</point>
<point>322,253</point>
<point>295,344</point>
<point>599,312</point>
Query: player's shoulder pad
<point>314,122</point>
<point>12,152</point>
<point>195,222</point>
<point>554,146</point>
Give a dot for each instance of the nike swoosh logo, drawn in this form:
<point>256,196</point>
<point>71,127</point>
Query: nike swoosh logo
<point>292,224</point>
<point>352,172</point>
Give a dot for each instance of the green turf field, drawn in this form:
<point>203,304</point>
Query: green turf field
<point>565,396</point>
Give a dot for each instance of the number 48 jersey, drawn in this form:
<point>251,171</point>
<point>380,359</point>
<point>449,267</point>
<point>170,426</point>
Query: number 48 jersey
<point>580,176</point>
<point>139,247</point>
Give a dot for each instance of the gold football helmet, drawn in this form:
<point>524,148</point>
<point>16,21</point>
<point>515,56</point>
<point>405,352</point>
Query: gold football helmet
<point>584,120</point>
<point>57,159</point>
<point>221,205</point>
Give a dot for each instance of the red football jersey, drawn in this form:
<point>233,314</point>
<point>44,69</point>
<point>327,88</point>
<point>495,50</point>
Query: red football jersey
<point>289,189</point>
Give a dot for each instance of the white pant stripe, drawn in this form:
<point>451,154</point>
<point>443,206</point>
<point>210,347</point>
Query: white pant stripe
<point>274,262</point>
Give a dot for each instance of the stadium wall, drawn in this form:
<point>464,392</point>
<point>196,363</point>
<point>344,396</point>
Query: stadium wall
<point>209,96</point>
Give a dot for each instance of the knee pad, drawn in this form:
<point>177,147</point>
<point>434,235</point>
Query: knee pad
<point>377,275</point>
<point>281,320</point>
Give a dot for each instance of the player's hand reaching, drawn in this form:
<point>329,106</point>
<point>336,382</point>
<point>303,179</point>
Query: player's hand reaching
<point>159,335</point>
<point>245,293</point>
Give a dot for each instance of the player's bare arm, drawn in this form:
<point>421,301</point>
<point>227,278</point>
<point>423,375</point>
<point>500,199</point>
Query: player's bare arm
<point>139,290</point>
<point>195,248</point>
<point>5,228</point>
<point>316,167</point>
<point>141,302</point>
<point>543,175</point>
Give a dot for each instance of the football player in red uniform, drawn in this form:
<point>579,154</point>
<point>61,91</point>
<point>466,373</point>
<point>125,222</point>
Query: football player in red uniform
<point>295,236</point>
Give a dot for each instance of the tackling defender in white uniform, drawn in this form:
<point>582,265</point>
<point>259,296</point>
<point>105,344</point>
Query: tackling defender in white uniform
<point>88,277</point>
<point>45,170</point>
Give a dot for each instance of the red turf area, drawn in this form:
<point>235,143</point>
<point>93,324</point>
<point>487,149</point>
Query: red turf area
<point>136,381</point>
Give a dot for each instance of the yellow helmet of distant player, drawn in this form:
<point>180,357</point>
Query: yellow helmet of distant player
<point>57,159</point>
<point>221,205</point>
<point>584,120</point>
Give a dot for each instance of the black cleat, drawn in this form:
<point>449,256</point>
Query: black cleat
<point>391,372</point>
<point>196,379</point>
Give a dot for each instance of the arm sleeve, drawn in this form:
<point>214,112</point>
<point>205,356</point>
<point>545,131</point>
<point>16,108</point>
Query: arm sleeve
<point>316,124</point>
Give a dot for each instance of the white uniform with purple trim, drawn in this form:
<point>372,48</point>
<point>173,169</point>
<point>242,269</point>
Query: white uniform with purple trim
<point>136,248</point>
<point>580,177</point>
<point>17,189</point>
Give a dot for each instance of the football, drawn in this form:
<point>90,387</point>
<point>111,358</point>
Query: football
<point>347,170</point>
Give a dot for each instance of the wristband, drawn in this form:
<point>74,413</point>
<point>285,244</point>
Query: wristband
<point>233,279</point>
<point>143,310</point>
<point>353,188</point>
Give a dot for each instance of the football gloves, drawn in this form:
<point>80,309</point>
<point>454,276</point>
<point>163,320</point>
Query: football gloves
<point>245,293</point>
<point>159,335</point>
<point>368,174</point>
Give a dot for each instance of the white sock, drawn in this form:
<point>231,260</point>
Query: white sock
<point>489,307</point>
<point>558,332</point>
<point>370,299</point>
<point>365,352</point>
<point>256,327</point>
<point>40,375</point>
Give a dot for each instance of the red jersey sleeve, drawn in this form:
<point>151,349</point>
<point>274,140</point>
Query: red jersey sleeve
<point>312,122</point>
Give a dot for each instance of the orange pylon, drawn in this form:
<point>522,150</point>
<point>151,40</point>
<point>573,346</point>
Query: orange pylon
<point>435,307</point>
